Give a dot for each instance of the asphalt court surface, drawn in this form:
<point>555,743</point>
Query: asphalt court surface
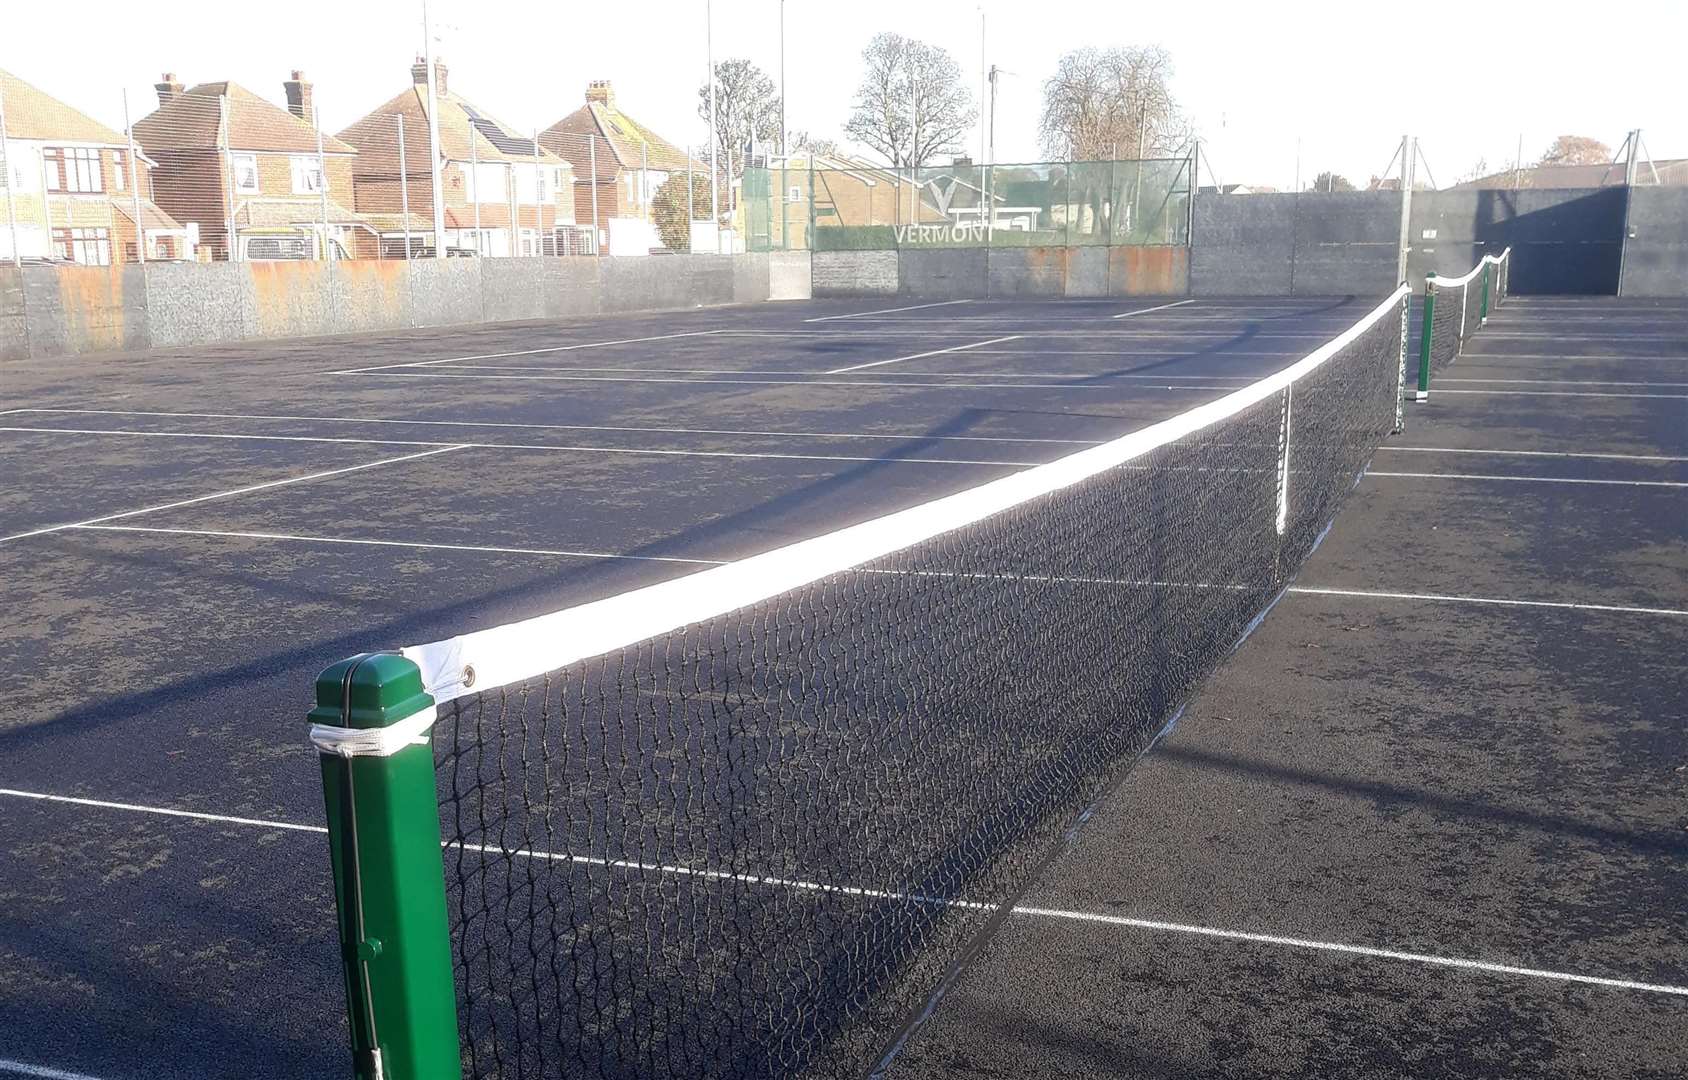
<point>192,536</point>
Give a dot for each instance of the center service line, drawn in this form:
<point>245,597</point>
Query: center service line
<point>917,356</point>
<point>1145,311</point>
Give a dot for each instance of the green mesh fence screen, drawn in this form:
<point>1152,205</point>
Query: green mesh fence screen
<point>1035,204</point>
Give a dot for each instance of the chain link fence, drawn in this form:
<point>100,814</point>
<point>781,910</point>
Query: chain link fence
<point>828,205</point>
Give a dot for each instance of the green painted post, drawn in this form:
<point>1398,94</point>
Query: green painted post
<point>1483,308</point>
<point>1424,338</point>
<point>389,878</point>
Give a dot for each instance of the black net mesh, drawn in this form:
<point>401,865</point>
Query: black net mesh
<point>752,846</point>
<point>1460,309</point>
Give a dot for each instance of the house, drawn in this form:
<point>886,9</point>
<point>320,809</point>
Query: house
<point>619,164</point>
<point>1671,172</point>
<point>256,180</point>
<point>503,194</point>
<point>71,189</point>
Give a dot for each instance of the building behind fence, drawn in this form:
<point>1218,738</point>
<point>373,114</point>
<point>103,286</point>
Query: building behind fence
<point>215,171</point>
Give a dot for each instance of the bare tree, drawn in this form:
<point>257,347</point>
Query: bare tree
<point>747,109</point>
<point>1109,103</point>
<point>911,105</point>
<point>805,143</point>
<point>1329,181</point>
<point>1576,150</point>
<point>1477,172</point>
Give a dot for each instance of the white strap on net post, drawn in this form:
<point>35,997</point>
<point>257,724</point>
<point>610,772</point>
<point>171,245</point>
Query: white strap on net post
<point>374,742</point>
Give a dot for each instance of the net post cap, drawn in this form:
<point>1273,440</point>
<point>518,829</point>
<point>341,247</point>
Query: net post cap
<point>383,689</point>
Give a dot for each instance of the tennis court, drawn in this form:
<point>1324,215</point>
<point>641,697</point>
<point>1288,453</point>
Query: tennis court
<point>1410,812</point>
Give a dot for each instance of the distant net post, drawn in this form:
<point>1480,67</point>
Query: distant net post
<point>369,724</point>
<point>1425,336</point>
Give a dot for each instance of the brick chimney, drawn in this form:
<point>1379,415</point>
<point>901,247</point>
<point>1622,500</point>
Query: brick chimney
<point>168,89</point>
<point>419,74</point>
<point>600,91</point>
<point>298,93</point>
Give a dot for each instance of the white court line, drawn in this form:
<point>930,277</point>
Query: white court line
<point>886,311</point>
<point>1085,384</point>
<point>1145,311</point>
<point>563,427</point>
<point>1460,963</point>
<point>917,356</point>
<point>560,448</point>
<point>1532,453</point>
<point>300,537</point>
<point>1559,382</point>
<point>1471,355</point>
<point>1531,479</point>
<point>800,885</point>
<point>551,349</point>
<point>1092,375</point>
<point>1313,590</point>
<point>41,1072</point>
<point>1568,393</point>
<point>228,494</point>
<point>1302,589</point>
<point>161,811</point>
<point>228,435</point>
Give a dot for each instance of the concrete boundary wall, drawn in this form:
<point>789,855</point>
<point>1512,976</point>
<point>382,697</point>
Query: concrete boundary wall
<point>1306,244</point>
<point>70,310</point>
<point>1002,272</point>
<point>1655,260</point>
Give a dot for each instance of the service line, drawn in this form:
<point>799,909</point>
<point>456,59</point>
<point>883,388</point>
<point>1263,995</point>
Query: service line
<point>917,356</point>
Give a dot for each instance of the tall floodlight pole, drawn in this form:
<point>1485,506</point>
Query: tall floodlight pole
<point>11,174</point>
<point>983,76</point>
<point>1407,150</point>
<point>1633,144</point>
<point>783,150</point>
<point>714,139</point>
<point>433,136</point>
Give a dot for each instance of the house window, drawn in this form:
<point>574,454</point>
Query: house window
<point>307,175</point>
<point>120,170</point>
<point>245,168</point>
<point>72,169</point>
<point>90,247</point>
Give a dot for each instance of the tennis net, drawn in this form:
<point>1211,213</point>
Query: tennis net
<point>744,822</point>
<point>1455,309</point>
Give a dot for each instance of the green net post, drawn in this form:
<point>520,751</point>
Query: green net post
<point>389,877</point>
<point>1424,338</point>
<point>1483,307</point>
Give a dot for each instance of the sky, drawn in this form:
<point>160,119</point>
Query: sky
<point>1276,91</point>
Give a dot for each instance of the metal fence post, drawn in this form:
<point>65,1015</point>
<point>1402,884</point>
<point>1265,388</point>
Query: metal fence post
<point>404,187</point>
<point>234,185</point>
<point>538,201</point>
<point>10,179</point>
<point>322,180</point>
<point>475,188</point>
<point>134,188</point>
<point>592,159</point>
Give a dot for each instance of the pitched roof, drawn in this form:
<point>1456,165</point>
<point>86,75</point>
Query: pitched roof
<point>1672,173</point>
<point>34,114</point>
<point>155,218</point>
<point>627,144</point>
<point>193,120</point>
<point>462,126</point>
